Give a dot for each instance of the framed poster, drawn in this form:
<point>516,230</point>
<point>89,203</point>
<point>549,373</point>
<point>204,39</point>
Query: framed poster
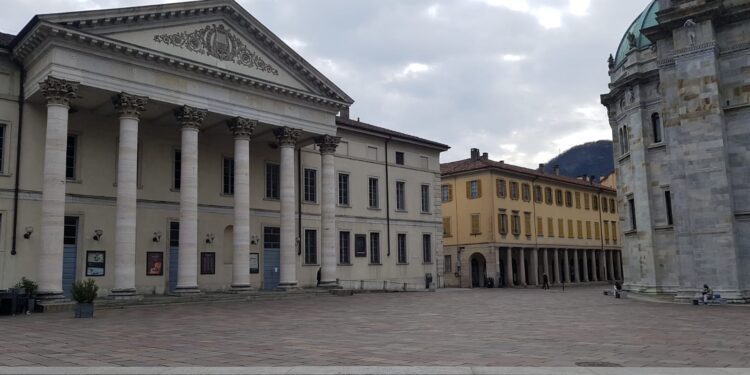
<point>360,245</point>
<point>254,263</point>
<point>154,263</point>
<point>95,263</point>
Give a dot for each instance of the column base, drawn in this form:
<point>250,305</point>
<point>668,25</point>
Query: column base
<point>125,294</point>
<point>186,290</point>
<point>329,285</point>
<point>285,287</point>
<point>241,288</point>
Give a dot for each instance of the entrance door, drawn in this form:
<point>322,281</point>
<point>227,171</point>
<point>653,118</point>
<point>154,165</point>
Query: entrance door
<point>271,257</point>
<point>70,254</point>
<point>474,273</point>
<point>174,253</point>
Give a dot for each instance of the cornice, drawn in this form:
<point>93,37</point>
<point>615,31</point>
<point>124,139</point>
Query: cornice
<point>45,30</point>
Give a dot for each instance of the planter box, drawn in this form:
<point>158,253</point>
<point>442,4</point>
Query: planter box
<point>84,310</point>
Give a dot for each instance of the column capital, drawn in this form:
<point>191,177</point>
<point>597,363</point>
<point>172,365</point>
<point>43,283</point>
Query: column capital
<point>59,91</point>
<point>128,105</point>
<point>327,143</point>
<point>287,136</point>
<point>190,117</point>
<point>241,128</point>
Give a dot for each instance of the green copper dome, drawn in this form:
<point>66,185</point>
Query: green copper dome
<point>644,20</point>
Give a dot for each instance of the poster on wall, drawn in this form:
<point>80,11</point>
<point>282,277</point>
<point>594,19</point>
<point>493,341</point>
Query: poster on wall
<point>154,263</point>
<point>254,263</point>
<point>95,263</point>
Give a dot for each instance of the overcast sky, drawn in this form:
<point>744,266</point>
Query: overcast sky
<point>519,79</point>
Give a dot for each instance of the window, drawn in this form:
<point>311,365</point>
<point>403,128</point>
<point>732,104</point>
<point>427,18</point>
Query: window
<point>614,231</point>
<point>597,231</point>
<point>447,266</point>
<point>527,223</point>
<point>273,181</point>
<point>501,188</point>
<point>656,127</point>
<point>578,200</point>
<point>516,223</point>
<point>343,189</point>
<point>624,141</point>
<point>558,197</point>
<point>208,263</point>
<point>514,190</point>
<point>502,223</point>
<point>612,206</point>
<point>475,224</point>
<point>568,199</point>
<point>427,248</point>
<point>375,248</point>
<point>373,192</point>
<point>426,198</point>
<point>174,233</point>
<point>668,204</point>
<point>588,229</point>
<point>571,233</point>
<point>228,176</point>
<point>272,238</point>
<point>579,227</point>
<point>538,194</point>
<point>311,246</point>
<point>605,224</point>
<point>550,227</point>
<point>446,227</point>
<point>71,156</point>
<point>526,192</point>
<point>548,195</point>
<point>605,207</point>
<point>310,184</point>
<point>399,158</point>
<point>560,228</point>
<point>344,248</point>
<point>402,248</point>
<point>400,195</point>
<point>176,169</point>
<point>473,189</point>
<point>586,204</point>
<point>446,192</point>
<point>631,205</point>
<point>539,227</point>
<point>595,203</point>
<point>372,152</point>
<point>360,245</point>
<point>2,147</point>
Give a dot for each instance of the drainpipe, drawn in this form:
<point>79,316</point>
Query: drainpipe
<point>387,199</point>
<point>601,227</point>
<point>21,95</point>
<point>299,201</point>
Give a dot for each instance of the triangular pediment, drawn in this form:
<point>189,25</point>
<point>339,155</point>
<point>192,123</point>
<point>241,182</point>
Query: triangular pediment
<point>217,33</point>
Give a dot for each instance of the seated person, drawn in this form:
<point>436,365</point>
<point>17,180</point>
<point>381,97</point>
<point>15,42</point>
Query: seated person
<point>707,293</point>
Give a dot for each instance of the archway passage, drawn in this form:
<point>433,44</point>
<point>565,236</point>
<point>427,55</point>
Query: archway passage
<point>478,271</point>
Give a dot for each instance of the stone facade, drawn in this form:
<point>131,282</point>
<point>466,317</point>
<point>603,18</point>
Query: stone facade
<point>678,107</point>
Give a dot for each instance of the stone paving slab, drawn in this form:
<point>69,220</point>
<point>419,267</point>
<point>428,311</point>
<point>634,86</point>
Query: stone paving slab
<point>482,327</point>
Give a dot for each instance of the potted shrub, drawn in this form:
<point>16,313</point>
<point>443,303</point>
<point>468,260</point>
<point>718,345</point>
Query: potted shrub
<point>84,292</point>
<point>29,288</point>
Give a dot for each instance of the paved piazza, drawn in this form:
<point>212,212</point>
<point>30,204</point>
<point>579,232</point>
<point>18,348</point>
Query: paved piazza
<point>494,327</point>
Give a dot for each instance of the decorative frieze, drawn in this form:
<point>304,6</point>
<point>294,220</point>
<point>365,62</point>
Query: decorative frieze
<point>287,136</point>
<point>128,105</point>
<point>59,91</point>
<point>190,117</point>
<point>218,42</point>
<point>327,143</point>
<point>241,127</point>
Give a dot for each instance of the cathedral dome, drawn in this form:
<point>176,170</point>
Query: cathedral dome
<point>646,19</point>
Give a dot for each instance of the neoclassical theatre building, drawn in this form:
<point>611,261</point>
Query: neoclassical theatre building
<point>679,107</point>
<point>513,225</point>
<point>184,147</point>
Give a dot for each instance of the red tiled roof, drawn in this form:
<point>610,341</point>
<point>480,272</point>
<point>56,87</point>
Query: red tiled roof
<point>468,165</point>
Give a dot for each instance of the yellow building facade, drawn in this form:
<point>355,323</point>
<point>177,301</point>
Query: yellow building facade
<point>497,216</point>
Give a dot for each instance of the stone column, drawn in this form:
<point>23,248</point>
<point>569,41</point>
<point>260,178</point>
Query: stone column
<point>618,265</point>
<point>521,268</point>
<point>534,267</point>
<point>558,277</point>
<point>190,120</point>
<point>287,138</point>
<point>603,265</point>
<point>566,266</point>
<point>585,273</point>
<point>242,130</point>
<point>327,145</point>
<point>545,265</point>
<point>509,267</point>
<point>594,266</point>
<point>610,266</point>
<point>576,266</point>
<point>129,108</point>
<point>58,93</point>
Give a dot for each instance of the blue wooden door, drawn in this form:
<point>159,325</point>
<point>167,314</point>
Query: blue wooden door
<point>271,257</point>
<point>174,253</point>
<point>70,254</point>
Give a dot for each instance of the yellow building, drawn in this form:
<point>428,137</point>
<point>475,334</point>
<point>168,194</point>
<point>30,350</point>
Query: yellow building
<point>497,216</point>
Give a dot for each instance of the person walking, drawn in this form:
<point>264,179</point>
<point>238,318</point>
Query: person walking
<point>545,281</point>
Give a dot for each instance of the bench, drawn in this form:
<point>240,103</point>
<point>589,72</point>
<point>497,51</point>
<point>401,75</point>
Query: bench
<point>716,300</point>
<point>610,292</point>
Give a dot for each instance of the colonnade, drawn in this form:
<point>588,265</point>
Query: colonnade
<point>526,266</point>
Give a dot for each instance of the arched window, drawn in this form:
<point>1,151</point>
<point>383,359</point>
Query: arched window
<point>656,127</point>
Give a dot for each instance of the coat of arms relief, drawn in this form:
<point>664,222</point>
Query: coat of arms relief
<point>218,42</point>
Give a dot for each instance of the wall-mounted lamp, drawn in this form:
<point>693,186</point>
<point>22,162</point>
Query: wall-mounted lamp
<point>157,237</point>
<point>98,234</point>
<point>29,230</point>
<point>254,240</point>
<point>209,238</point>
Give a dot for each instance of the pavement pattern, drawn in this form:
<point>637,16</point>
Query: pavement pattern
<point>451,327</point>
